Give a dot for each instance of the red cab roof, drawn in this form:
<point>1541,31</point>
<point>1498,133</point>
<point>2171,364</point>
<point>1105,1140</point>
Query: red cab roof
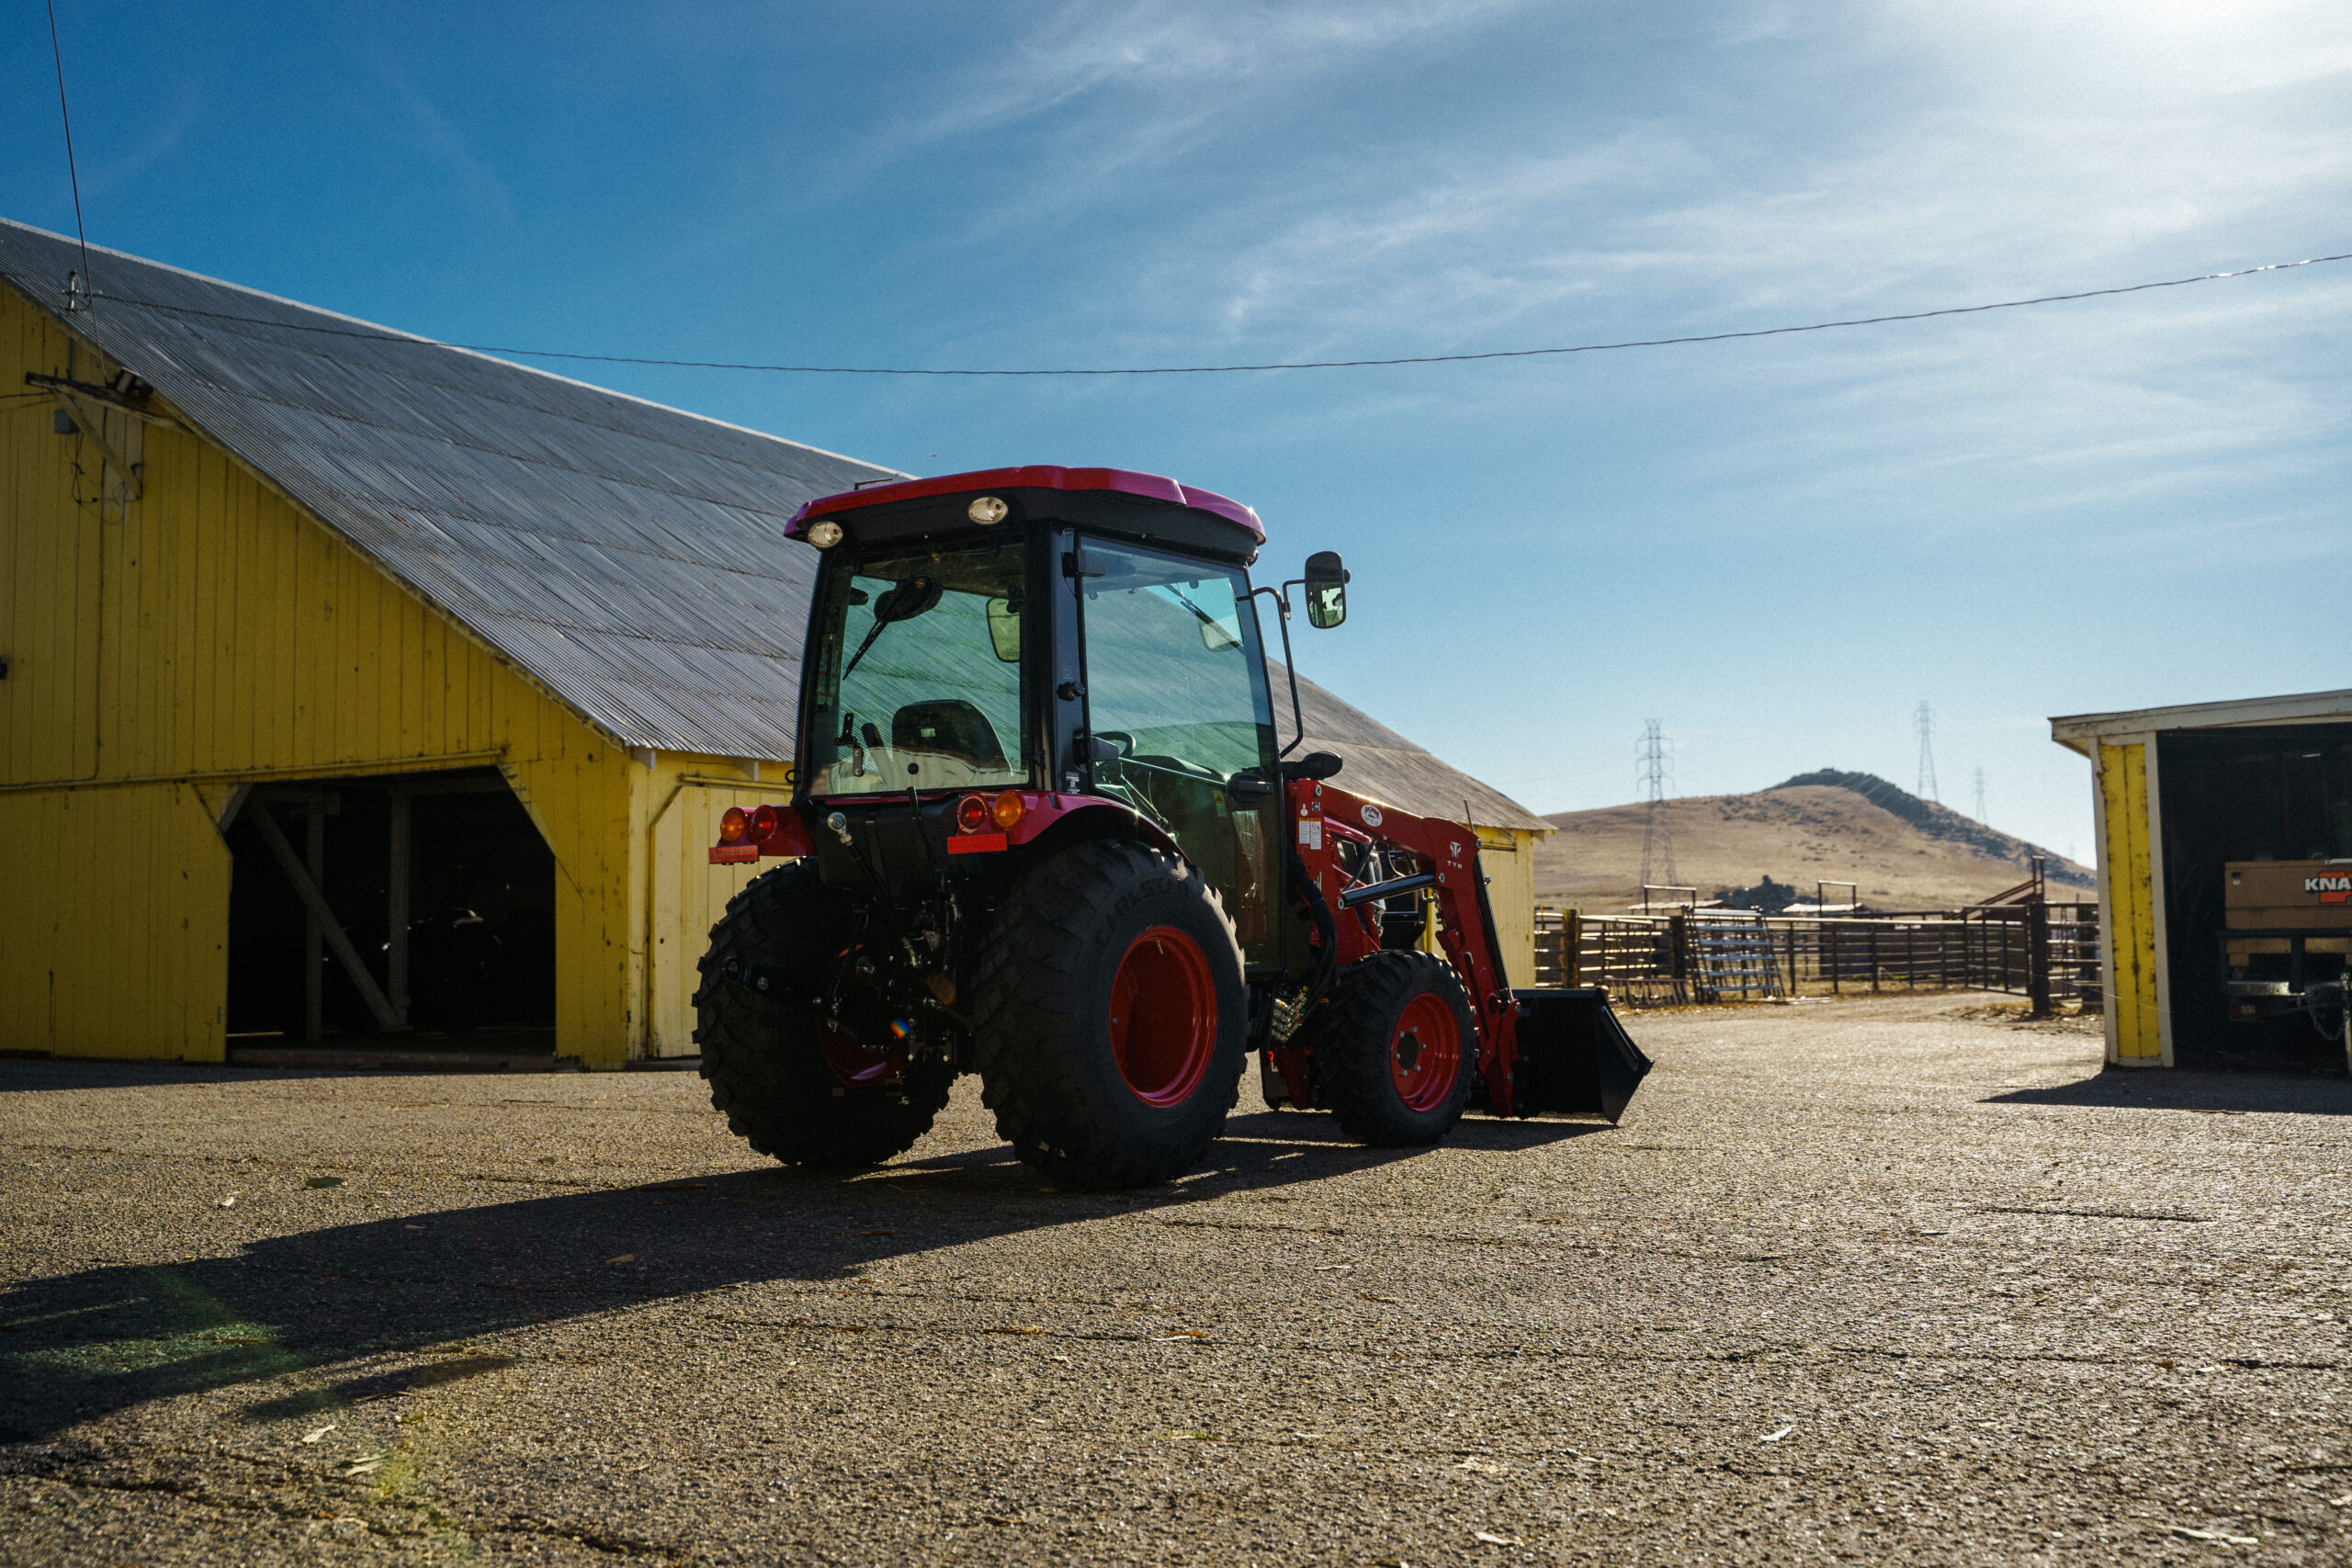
<point>1036,477</point>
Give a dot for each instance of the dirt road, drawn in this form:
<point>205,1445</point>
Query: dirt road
<point>1869,1281</point>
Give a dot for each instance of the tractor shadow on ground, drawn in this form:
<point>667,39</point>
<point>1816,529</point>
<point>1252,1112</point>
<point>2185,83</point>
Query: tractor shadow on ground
<point>309,1319</point>
<point>2213,1093</point>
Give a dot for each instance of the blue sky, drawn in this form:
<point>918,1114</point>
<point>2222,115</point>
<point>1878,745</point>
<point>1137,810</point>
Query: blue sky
<point>1778,548</point>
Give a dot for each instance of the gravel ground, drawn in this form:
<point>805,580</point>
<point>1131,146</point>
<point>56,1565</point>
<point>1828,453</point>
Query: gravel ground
<point>1873,1281</point>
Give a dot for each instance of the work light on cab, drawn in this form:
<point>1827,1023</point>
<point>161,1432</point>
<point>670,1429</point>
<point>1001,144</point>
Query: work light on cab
<point>733,825</point>
<point>986,511</point>
<point>971,813</point>
<point>824,536</point>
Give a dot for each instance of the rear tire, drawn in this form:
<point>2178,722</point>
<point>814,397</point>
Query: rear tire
<point>1396,1049</point>
<point>764,1054</point>
<point>1110,1020</point>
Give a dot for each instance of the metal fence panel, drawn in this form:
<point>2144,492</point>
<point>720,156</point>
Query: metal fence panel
<point>2044,951</point>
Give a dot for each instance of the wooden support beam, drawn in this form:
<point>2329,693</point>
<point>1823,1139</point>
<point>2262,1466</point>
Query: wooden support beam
<point>61,386</point>
<point>426,784</point>
<point>315,903</point>
<point>87,420</point>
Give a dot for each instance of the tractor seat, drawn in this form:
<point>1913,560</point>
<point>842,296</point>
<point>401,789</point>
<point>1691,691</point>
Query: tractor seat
<point>950,725</point>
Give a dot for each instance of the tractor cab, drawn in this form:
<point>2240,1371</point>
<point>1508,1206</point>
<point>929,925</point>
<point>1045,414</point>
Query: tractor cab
<point>1002,657</point>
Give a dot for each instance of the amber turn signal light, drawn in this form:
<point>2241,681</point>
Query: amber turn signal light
<point>971,813</point>
<point>1009,810</point>
<point>733,825</point>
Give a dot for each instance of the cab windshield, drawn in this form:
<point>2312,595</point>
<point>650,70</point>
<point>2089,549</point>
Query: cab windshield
<point>918,679</point>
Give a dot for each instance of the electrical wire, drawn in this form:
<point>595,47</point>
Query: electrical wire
<point>1231,369</point>
<point>74,174</point>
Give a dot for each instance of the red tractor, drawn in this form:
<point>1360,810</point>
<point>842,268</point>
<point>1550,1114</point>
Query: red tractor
<point>1043,827</point>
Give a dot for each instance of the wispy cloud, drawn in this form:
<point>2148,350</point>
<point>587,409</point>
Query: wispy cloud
<point>2059,154</point>
<point>1077,48</point>
<point>157,144</point>
<point>475,176</point>
<point>1134,86</point>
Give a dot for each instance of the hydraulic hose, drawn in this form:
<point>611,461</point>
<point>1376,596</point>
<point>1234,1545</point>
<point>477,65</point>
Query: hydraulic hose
<point>1325,928</point>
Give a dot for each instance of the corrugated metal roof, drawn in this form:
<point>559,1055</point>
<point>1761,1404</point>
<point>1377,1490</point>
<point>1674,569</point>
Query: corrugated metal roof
<point>629,556</point>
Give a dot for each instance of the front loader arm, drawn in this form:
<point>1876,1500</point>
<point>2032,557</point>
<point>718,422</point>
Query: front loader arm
<point>1323,817</point>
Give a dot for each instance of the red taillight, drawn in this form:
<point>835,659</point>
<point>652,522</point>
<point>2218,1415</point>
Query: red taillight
<point>1009,810</point>
<point>971,813</point>
<point>764,822</point>
<point>733,825</point>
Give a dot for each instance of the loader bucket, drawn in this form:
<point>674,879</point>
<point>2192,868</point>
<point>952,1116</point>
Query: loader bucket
<point>1573,1055</point>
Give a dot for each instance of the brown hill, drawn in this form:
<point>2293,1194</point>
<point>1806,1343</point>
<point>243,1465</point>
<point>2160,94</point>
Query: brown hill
<point>1906,853</point>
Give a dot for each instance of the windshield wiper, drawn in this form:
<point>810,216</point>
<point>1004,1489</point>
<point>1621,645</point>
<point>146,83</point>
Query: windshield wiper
<point>1206,619</point>
<point>903,601</point>
<point>863,646</point>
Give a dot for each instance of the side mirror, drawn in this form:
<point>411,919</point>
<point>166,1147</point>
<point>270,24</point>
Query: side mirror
<point>1004,630</point>
<point>1327,589</point>
<point>1313,766</point>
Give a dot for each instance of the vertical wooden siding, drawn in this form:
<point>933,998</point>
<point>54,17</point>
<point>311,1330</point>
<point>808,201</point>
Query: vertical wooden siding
<point>690,894</point>
<point>114,926</point>
<point>2136,1026</point>
<point>211,631</point>
<point>1507,857</point>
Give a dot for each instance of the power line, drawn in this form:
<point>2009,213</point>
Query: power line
<point>1218,369</point>
<point>57,55</point>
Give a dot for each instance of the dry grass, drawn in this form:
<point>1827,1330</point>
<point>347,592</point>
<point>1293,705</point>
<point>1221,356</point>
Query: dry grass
<point>1802,835</point>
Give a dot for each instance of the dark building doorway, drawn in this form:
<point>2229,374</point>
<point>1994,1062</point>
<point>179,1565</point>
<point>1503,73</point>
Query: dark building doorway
<point>459,947</point>
<point>2256,793</point>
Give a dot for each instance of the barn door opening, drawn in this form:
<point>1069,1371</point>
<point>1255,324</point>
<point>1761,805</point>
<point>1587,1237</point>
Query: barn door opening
<point>418,908</point>
<point>2255,821</point>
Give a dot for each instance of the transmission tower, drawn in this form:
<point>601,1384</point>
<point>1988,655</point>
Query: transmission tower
<point>1657,838</point>
<point>1927,790</point>
<point>1980,794</point>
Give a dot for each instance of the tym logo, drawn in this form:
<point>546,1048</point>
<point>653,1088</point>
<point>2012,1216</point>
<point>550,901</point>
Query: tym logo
<point>2331,889</point>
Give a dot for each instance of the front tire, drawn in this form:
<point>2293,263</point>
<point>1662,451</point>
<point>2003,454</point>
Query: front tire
<point>1110,1020</point>
<point>791,1082</point>
<point>1396,1049</point>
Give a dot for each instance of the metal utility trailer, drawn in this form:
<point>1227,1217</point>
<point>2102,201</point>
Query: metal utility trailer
<point>2287,939</point>
<point>1041,827</point>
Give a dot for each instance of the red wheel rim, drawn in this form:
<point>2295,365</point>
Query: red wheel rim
<point>1163,1016</point>
<point>1425,1053</point>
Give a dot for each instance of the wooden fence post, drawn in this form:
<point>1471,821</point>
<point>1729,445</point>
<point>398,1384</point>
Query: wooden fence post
<point>2037,956</point>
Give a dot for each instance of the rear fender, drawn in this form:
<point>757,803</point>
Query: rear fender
<point>1057,821</point>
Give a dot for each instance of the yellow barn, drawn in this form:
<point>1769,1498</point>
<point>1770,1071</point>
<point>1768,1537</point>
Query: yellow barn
<point>352,684</point>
